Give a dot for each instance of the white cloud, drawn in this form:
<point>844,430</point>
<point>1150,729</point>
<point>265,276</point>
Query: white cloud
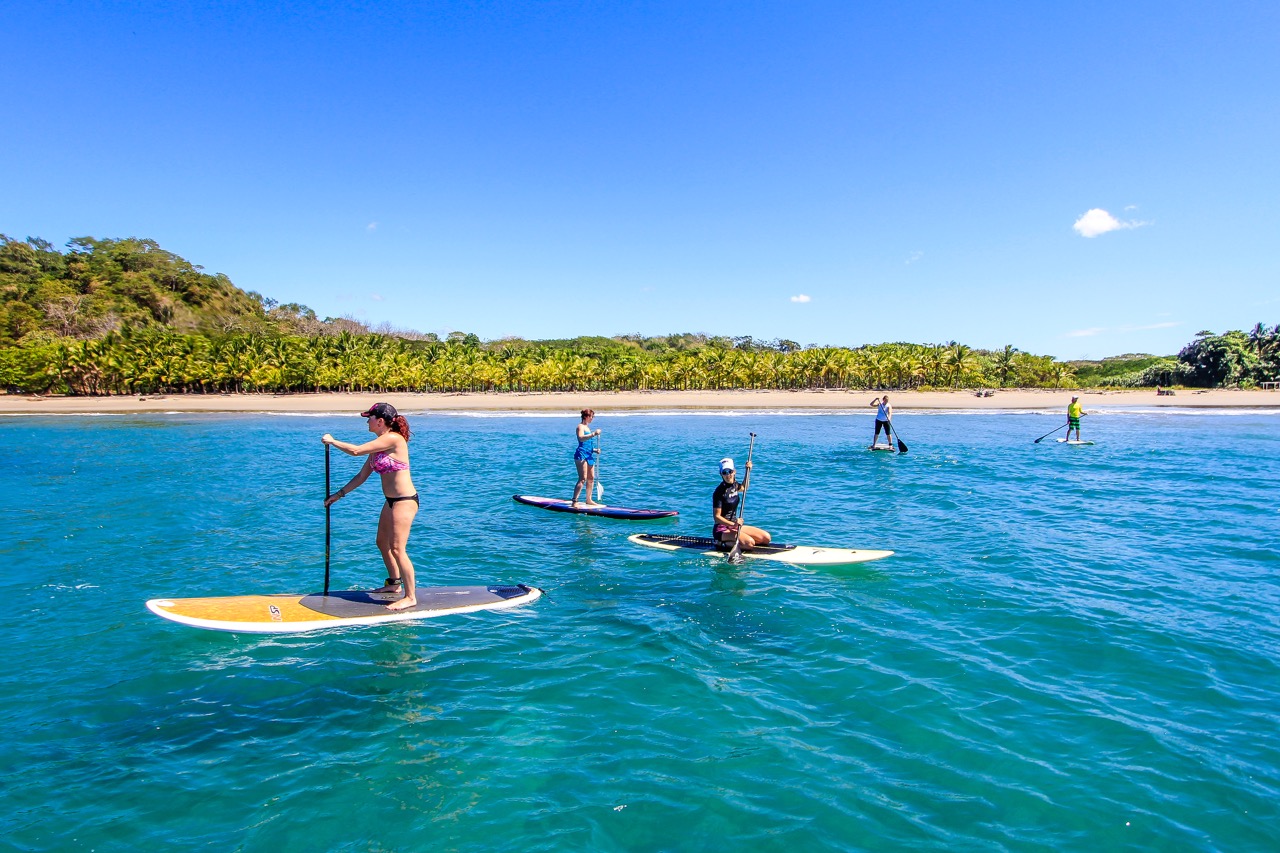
<point>915,256</point>
<point>1100,330</point>
<point>1098,221</point>
<point>800,298</point>
<point>376,297</point>
<point>372,226</point>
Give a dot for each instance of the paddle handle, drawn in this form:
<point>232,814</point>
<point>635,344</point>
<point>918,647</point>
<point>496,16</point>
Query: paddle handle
<point>742,507</point>
<point>327,492</point>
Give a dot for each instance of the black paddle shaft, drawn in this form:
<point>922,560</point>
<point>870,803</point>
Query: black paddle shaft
<point>735,553</point>
<point>902,445</point>
<point>1050,432</point>
<point>326,519</point>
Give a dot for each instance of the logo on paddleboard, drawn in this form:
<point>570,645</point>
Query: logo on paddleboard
<point>275,613</point>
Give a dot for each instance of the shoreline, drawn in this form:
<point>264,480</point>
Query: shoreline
<point>569,402</point>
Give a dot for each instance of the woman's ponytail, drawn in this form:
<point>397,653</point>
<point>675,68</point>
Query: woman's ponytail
<point>401,426</point>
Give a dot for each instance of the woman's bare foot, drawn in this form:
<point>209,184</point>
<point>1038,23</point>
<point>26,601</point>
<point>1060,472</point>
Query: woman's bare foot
<point>391,587</point>
<point>404,603</point>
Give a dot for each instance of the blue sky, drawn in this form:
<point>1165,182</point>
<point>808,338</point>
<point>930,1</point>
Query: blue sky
<point>835,173</point>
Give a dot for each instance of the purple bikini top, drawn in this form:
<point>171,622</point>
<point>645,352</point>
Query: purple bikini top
<point>384,464</point>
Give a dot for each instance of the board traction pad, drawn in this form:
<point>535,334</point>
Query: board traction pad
<point>708,542</point>
<point>351,603</point>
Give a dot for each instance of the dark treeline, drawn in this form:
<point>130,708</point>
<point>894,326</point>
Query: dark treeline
<point>125,316</point>
<point>1231,360</point>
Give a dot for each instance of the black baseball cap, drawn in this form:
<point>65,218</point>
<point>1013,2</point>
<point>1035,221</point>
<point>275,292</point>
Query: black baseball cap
<point>386,411</point>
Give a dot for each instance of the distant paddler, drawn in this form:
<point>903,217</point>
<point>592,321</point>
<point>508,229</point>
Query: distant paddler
<point>1074,412</point>
<point>884,420</point>
<point>727,528</point>
<point>388,456</point>
<point>584,458</point>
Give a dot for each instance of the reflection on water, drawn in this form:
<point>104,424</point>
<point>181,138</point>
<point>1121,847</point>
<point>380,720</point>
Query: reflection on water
<point>1072,646</point>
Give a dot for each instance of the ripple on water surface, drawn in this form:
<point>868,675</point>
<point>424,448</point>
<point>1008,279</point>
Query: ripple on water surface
<point>1072,646</point>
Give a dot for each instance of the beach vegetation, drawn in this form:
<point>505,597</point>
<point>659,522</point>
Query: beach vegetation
<point>1121,371</point>
<point>1229,359</point>
<point>125,316</point>
<point>1144,371</point>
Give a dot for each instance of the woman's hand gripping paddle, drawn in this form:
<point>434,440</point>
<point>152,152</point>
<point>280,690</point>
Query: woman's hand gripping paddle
<point>735,554</point>
<point>599,485</point>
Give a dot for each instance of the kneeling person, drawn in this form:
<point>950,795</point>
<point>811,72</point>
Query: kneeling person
<point>725,502</point>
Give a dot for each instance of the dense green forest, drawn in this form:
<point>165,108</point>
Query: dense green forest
<point>125,316</point>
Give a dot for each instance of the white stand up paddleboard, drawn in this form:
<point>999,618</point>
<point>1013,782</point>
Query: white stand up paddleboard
<point>1074,442</point>
<point>883,447</point>
<point>291,614</point>
<point>799,555</point>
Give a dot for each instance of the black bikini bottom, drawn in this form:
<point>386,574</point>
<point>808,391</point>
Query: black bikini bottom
<point>413,497</point>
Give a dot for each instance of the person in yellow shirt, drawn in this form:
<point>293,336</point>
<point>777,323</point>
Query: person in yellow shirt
<point>1074,412</point>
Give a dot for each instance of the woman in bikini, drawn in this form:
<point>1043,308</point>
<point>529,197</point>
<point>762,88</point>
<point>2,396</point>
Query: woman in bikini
<point>388,456</point>
<point>584,458</point>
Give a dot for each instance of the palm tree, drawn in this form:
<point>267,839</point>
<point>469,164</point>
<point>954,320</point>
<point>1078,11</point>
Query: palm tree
<point>934,362</point>
<point>875,367</point>
<point>960,360</point>
<point>912,368</point>
<point>1005,362</point>
<point>824,368</point>
<point>711,366</point>
<point>513,370</point>
<point>556,373</point>
<point>1259,336</point>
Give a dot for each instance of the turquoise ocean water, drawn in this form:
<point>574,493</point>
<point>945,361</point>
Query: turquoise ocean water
<point>1074,648</point>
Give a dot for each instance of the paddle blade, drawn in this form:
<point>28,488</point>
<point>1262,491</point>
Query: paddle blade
<point>902,446</point>
<point>599,485</point>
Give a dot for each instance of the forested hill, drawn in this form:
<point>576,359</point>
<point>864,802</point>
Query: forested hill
<point>98,286</point>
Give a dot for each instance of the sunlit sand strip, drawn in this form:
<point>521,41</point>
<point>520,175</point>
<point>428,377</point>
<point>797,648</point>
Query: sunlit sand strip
<point>654,401</point>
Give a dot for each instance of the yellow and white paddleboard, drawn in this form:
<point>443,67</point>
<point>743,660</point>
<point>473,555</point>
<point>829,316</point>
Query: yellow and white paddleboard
<point>291,614</point>
<point>796,555</point>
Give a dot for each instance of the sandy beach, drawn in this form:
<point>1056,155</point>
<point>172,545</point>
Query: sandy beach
<point>570,402</point>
